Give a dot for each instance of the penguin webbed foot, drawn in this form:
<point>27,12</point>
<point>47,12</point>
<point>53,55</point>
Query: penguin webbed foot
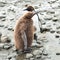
<point>28,50</point>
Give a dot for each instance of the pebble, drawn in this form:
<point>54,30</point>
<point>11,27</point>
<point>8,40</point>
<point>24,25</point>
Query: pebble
<point>2,16</point>
<point>36,7</point>
<point>2,4</point>
<point>5,39</point>
<point>45,53</point>
<point>48,17</point>
<point>57,53</point>
<point>29,55</point>
<point>1,25</point>
<point>50,11</point>
<point>11,56</point>
<point>38,56</point>
<point>10,28</point>
<point>52,31</point>
<point>3,19</point>
<point>12,59</point>
<point>32,58</point>
<point>52,1</point>
<point>0,34</point>
<point>36,45</point>
<point>37,52</point>
<point>1,46</point>
<point>7,46</point>
<point>55,19</point>
<point>58,27</point>
<point>57,36</point>
<point>58,32</point>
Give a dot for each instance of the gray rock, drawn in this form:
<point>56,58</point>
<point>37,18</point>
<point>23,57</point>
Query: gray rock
<point>38,56</point>
<point>48,17</point>
<point>2,4</point>
<point>0,34</point>
<point>36,7</point>
<point>55,19</point>
<point>12,59</point>
<point>5,39</point>
<point>1,46</point>
<point>7,46</point>
<point>57,36</point>
<point>51,1</point>
<point>29,55</point>
<point>51,11</point>
<point>1,25</point>
<point>57,53</point>
<point>58,27</point>
<point>45,53</point>
<point>3,19</point>
<point>2,16</point>
<point>36,45</point>
<point>10,28</point>
<point>52,31</point>
<point>37,52</point>
<point>32,58</point>
<point>58,31</point>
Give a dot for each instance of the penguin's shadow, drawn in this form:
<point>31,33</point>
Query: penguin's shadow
<point>21,57</point>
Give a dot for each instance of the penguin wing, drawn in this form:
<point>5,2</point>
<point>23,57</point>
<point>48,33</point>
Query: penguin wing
<point>24,37</point>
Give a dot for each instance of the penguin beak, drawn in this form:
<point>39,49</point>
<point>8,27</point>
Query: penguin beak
<point>25,9</point>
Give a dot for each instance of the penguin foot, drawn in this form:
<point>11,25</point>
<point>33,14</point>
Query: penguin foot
<point>28,50</point>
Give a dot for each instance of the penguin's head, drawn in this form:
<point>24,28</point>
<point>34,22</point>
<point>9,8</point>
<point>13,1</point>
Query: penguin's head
<point>29,8</point>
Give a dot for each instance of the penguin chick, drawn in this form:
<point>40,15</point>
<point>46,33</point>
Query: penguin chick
<point>23,32</point>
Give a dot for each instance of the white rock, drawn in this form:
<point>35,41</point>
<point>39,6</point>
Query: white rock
<point>29,55</point>
<point>5,39</point>
<point>37,52</point>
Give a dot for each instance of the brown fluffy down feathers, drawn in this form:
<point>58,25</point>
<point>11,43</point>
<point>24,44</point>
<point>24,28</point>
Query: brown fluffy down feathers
<point>24,24</point>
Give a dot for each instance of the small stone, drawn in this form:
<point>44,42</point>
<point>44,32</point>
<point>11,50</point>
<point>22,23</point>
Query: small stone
<point>58,32</point>
<point>51,11</point>
<point>12,59</point>
<point>2,4</point>
<point>1,25</point>
<point>0,34</point>
<point>31,58</point>
<point>57,36</point>
<point>37,52</point>
<point>7,46</point>
<point>38,56</point>
<point>10,28</point>
<point>48,17</point>
<point>43,23</point>
<point>3,19</point>
<point>1,46</point>
<point>52,31</point>
<point>52,1</point>
<point>45,53</point>
<point>36,45</point>
<point>55,19</point>
<point>57,53</point>
<point>58,27</point>
<point>2,16</point>
<point>29,55</point>
<point>36,7</point>
<point>5,39</point>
